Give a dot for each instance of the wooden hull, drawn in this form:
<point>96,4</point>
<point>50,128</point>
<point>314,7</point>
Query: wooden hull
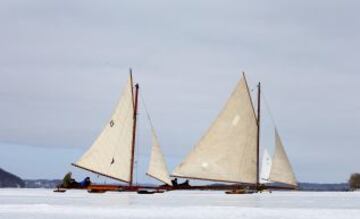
<point>229,189</point>
<point>142,191</point>
<point>60,190</point>
<point>240,192</point>
<point>123,188</point>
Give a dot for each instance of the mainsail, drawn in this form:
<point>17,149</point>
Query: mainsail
<point>281,170</point>
<point>227,152</point>
<point>265,167</point>
<point>157,165</point>
<point>111,153</point>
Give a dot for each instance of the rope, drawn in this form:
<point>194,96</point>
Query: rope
<point>267,106</point>
<point>147,115</point>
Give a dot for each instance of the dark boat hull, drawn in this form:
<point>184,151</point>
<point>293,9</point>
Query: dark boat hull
<point>229,189</point>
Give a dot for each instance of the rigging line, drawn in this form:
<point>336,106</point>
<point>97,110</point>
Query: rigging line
<point>248,79</point>
<point>267,106</point>
<point>153,132</point>
<point>152,129</point>
<point>252,89</point>
<point>147,114</point>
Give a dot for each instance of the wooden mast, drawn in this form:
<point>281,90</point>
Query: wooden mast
<point>258,139</point>
<point>134,129</point>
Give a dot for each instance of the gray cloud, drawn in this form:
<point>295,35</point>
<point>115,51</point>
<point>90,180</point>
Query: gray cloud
<point>63,64</point>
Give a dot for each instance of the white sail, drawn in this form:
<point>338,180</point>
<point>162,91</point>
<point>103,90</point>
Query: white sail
<point>157,165</point>
<point>110,155</point>
<point>281,170</point>
<point>227,152</point>
<point>265,167</point>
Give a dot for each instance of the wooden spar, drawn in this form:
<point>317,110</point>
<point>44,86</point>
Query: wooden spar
<point>213,180</point>
<point>98,173</point>
<point>134,130</point>
<point>157,179</point>
<point>258,138</point>
<point>219,187</point>
<point>285,187</point>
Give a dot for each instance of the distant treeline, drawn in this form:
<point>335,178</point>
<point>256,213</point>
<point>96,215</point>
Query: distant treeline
<point>42,183</point>
<point>10,180</point>
<point>323,187</point>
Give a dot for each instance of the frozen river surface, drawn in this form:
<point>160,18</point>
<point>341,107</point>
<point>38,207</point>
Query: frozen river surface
<point>41,203</point>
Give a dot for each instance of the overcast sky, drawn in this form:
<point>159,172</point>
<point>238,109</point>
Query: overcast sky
<point>64,63</point>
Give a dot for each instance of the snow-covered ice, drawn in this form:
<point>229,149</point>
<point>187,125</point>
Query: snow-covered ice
<point>41,203</point>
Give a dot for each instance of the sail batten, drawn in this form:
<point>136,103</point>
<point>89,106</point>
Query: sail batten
<point>110,154</point>
<point>227,151</point>
<point>281,170</point>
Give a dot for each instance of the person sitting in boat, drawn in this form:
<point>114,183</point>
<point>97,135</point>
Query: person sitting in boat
<point>85,183</point>
<point>66,180</point>
<point>174,182</point>
<point>69,182</point>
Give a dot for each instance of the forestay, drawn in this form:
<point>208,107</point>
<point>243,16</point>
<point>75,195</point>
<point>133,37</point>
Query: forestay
<point>281,170</point>
<point>227,151</point>
<point>157,165</point>
<point>110,155</point>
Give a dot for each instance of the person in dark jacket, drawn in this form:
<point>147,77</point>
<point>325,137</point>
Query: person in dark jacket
<point>174,182</point>
<point>85,183</point>
<point>69,182</point>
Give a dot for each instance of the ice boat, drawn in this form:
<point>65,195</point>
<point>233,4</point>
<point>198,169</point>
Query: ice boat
<point>112,153</point>
<point>229,150</point>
